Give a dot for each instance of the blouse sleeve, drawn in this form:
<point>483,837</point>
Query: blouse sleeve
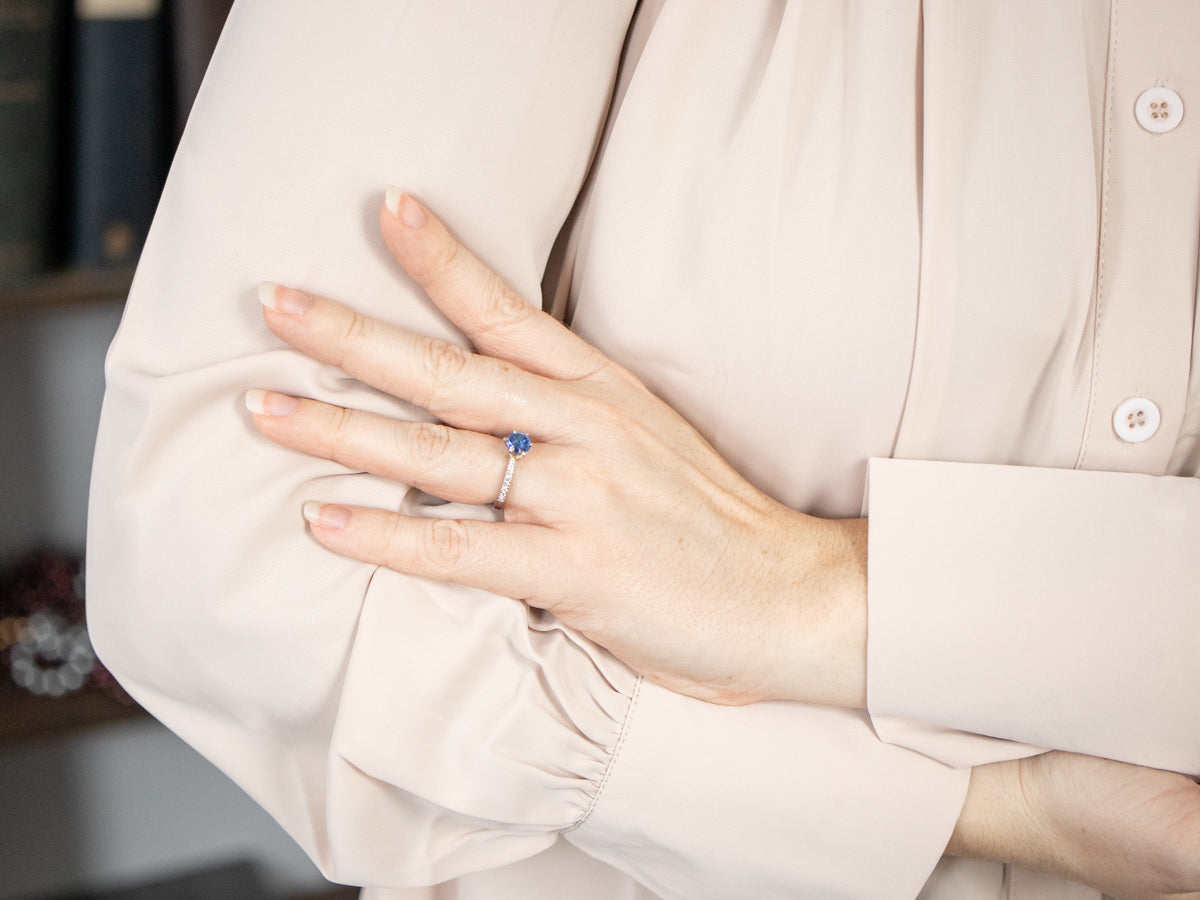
<point>406,732</point>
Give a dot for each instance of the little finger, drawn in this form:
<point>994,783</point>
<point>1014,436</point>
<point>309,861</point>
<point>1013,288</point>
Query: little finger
<point>503,558</point>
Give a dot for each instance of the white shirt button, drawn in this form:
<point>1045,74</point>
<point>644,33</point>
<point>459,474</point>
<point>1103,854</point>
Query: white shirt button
<point>1136,420</point>
<point>1159,109</point>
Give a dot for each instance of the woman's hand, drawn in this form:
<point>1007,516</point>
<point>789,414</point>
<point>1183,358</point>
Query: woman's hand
<point>1131,832</point>
<point>621,521</point>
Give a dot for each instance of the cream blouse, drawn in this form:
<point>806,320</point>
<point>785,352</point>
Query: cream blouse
<point>938,259</point>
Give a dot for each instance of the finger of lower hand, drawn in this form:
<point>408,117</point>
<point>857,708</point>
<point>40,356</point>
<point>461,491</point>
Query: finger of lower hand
<point>462,388</point>
<point>497,320</point>
<point>499,557</point>
<point>460,466</point>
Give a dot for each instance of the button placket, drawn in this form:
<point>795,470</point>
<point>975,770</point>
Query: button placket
<point>1146,265</point>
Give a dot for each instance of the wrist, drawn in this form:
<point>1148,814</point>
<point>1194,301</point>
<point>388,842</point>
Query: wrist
<point>1003,820</point>
<point>991,824</point>
<point>826,654</point>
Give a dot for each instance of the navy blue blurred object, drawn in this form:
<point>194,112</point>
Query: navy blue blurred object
<point>30,68</point>
<point>123,128</point>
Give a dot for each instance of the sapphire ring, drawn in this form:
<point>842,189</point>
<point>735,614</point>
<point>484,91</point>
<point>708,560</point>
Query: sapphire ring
<point>518,444</point>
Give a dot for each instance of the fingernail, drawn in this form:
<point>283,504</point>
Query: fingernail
<point>391,200</point>
<point>325,515</point>
<point>404,207</point>
<point>269,403</point>
<point>282,299</point>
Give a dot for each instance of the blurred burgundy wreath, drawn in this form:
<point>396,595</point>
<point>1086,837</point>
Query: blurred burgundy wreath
<point>43,635</point>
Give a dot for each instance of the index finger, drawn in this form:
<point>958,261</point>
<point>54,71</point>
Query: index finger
<point>498,321</point>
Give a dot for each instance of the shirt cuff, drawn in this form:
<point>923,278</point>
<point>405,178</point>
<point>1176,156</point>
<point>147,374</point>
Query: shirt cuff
<point>1047,606</point>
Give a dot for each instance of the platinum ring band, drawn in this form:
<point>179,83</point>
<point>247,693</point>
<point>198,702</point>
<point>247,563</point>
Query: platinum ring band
<point>518,444</point>
<point>508,474</point>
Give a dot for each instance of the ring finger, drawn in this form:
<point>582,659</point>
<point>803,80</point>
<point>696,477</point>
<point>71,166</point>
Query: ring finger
<point>455,465</point>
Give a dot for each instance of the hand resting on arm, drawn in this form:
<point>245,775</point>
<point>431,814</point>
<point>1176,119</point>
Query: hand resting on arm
<point>622,520</point>
<point>626,524</point>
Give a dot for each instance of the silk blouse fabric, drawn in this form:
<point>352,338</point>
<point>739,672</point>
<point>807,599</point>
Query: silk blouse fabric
<point>932,260</point>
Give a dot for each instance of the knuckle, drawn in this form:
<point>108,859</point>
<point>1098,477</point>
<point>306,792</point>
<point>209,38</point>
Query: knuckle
<point>429,443</point>
<point>341,435</point>
<point>356,328</point>
<point>604,414</point>
<point>397,552</point>
<point>499,315</point>
<point>500,306</point>
<point>354,331</point>
<point>442,361</point>
<point>448,543</point>
<point>618,376</point>
<point>446,260</point>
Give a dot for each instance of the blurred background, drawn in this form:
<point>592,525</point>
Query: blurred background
<point>96,799</point>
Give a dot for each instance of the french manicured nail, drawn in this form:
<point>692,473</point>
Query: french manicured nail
<point>391,199</point>
<point>404,207</point>
<point>325,515</point>
<point>283,299</point>
<point>268,403</point>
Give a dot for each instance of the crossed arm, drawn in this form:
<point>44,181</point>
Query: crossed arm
<point>627,526</point>
<point>276,658</point>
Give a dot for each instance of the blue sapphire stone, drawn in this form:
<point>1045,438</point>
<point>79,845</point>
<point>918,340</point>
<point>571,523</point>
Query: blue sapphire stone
<point>518,443</point>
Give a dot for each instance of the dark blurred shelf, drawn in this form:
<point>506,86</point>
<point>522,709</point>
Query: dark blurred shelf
<point>334,893</point>
<point>69,287</point>
<point>28,717</point>
<point>234,880</point>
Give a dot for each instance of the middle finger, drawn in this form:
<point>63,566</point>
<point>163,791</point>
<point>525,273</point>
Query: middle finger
<point>461,388</point>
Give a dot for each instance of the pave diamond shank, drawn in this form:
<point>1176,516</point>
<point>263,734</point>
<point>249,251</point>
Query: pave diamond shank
<point>517,444</point>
